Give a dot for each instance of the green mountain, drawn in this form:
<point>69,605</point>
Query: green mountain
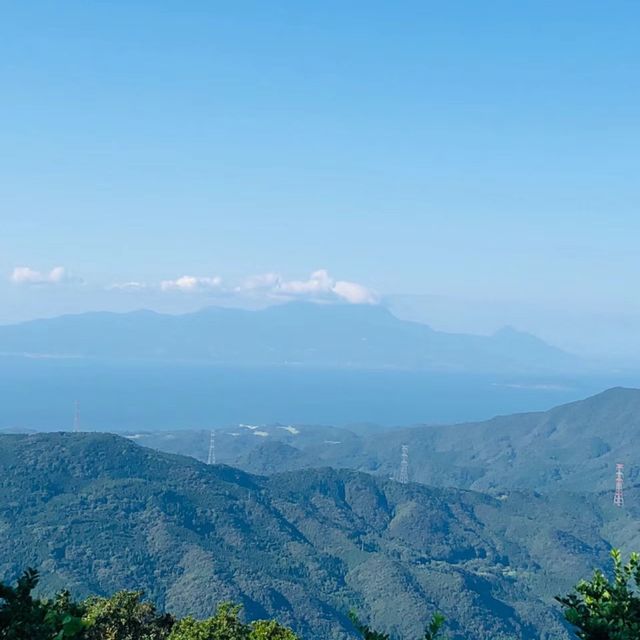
<point>573,447</point>
<point>100,513</point>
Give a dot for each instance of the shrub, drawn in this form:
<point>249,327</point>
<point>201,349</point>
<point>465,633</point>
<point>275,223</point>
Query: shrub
<point>124,616</point>
<point>23,617</point>
<point>226,625</point>
<point>603,609</point>
<point>432,632</point>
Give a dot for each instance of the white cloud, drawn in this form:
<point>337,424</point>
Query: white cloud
<point>192,284</point>
<point>354,293</point>
<point>320,286</point>
<point>128,286</point>
<point>27,275</point>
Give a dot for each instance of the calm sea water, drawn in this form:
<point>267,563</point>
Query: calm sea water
<point>40,394</point>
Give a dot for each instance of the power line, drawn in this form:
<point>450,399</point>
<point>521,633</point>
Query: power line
<point>76,417</point>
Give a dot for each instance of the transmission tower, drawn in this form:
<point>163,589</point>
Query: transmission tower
<point>212,448</point>
<point>403,477</point>
<point>618,498</point>
<point>76,417</point>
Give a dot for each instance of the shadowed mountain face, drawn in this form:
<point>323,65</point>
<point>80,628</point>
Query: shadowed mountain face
<point>573,447</point>
<point>292,334</point>
<point>98,513</point>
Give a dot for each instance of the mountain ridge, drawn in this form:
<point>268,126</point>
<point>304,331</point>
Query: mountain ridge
<point>356,336</point>
<point>301,546</point>
<point>574,446</point>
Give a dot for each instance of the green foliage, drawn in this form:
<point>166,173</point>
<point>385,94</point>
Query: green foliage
<point>226,625</point>
<point>124,616</point>
<point>602,609</point>
<point>432,632</point>
<point>23,617</point>
<point>65,615</point>
<point>434,628</point>
<point>270,630</point>
<point>366,632</point>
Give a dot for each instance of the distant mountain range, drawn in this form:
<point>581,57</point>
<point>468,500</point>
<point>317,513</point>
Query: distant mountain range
<point>304,334</point>
<point>573,447</point>
<point>98,513</point>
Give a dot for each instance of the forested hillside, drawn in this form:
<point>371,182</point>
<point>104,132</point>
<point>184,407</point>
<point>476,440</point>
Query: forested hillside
<point>304,546</point>
<point>573,447</point>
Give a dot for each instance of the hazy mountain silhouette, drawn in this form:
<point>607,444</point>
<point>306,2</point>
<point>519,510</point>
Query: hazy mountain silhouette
<point>359,336</point>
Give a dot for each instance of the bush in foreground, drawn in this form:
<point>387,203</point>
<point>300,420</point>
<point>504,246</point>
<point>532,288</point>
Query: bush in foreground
<point>123,616</point>
<point>603,609</point>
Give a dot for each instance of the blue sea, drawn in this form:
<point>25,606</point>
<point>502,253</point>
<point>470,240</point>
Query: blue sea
<point>40,394</point>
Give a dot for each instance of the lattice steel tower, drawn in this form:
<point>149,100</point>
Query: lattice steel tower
<point>211,459</point>
<point>76,417</point>
<point>403,477</point>
<point>618,498</point>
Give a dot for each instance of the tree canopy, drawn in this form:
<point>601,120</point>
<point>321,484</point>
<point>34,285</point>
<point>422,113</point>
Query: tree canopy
<point>123,616</point>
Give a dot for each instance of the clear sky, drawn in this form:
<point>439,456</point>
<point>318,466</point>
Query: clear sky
<point>476,150</point>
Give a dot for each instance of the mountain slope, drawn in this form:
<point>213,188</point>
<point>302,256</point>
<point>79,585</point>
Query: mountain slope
<point>292,334</point>
<point>571,447</point>
<point>99,513</point>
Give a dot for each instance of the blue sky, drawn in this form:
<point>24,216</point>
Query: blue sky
<point>481,151</point>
